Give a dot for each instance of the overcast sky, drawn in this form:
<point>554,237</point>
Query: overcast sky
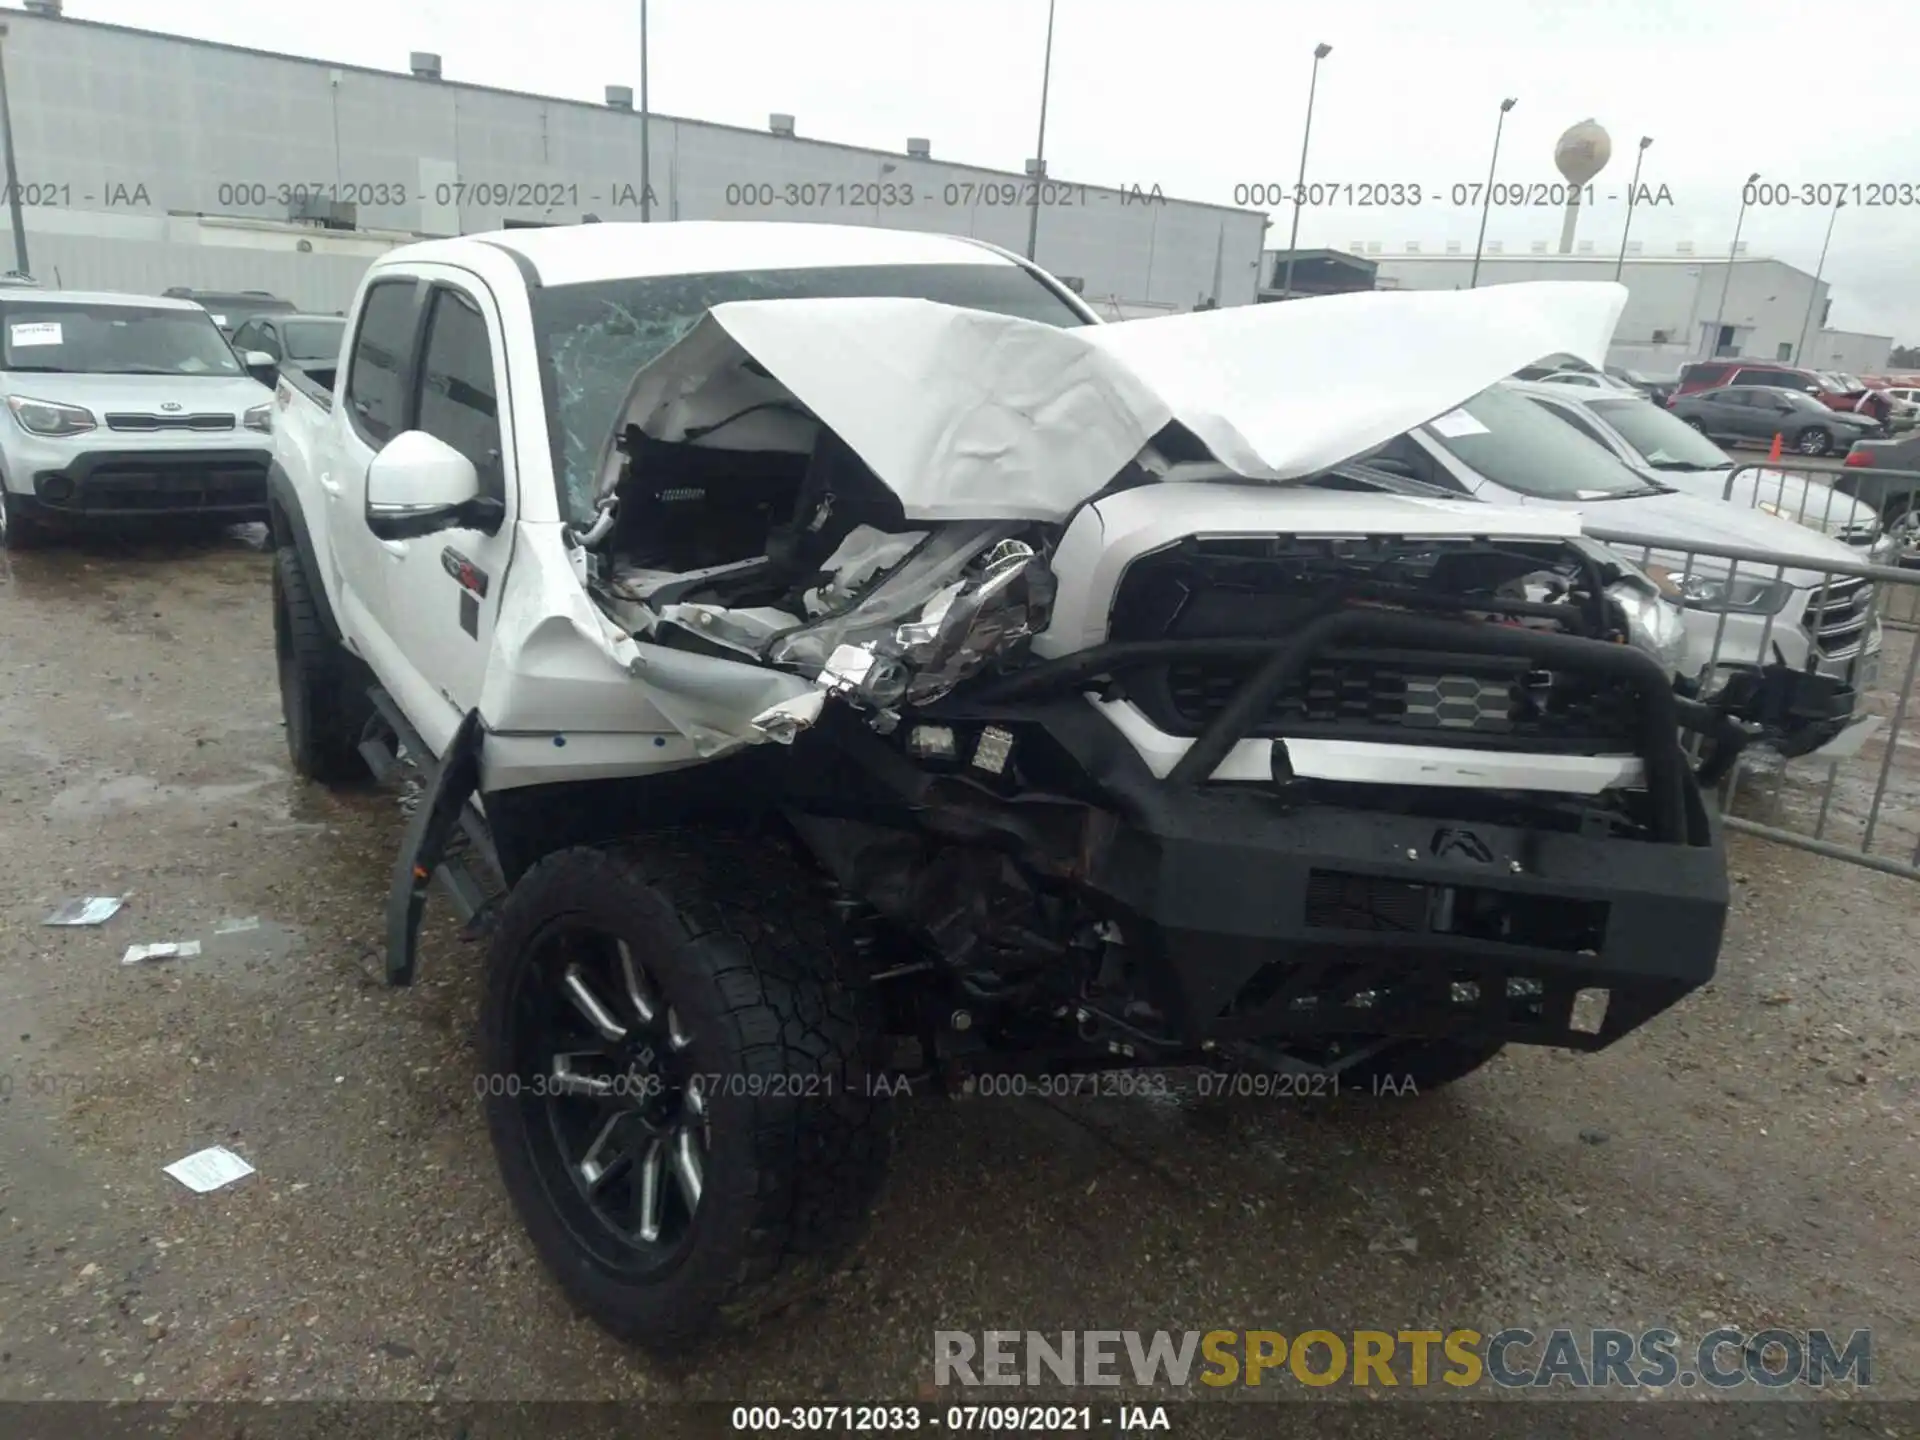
<point>1200,96</point>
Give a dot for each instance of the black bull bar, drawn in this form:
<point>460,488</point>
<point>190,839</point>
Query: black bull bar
<point>1267,920</point>
<point>1662,713</point>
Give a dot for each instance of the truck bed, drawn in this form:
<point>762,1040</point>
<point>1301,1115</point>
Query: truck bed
<point>316,384</point>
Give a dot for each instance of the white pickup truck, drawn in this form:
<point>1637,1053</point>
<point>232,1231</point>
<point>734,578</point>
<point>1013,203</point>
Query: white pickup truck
<point>866,671</point>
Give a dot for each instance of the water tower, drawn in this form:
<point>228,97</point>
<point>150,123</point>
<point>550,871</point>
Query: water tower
<point>1580,154</point>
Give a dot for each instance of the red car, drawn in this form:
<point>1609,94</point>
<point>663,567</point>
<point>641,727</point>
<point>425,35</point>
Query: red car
<point>1714,374</point>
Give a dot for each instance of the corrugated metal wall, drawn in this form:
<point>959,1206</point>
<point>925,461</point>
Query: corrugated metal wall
<point>132,123</point>
<point>92,262</point>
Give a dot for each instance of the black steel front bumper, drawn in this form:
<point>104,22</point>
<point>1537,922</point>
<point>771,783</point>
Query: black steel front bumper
<point>1795,711</point>
<point>1268,925</point>
<point>1260,914</point>
<point>131,484</point>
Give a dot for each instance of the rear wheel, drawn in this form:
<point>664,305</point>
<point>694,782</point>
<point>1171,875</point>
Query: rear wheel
<point>1814,440</point>
<point>676,1065</point>
<point>325,712</point>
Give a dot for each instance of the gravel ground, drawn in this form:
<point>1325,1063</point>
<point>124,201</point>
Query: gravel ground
<point>1749,1159</point>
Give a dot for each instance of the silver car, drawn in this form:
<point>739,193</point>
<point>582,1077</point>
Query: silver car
<point>123,407</point>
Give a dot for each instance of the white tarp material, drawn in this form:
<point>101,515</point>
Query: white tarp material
<point>967,415</point>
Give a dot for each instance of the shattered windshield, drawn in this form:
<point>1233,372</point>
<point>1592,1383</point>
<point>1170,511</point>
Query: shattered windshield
<point>594,337</point>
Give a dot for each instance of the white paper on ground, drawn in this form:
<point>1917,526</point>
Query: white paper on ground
<point>209,1169</point>
<point>1456,423</point>
<point>86,910</point>
<point>164,950</point>
<point>235,927</point>
<point>37,332</point>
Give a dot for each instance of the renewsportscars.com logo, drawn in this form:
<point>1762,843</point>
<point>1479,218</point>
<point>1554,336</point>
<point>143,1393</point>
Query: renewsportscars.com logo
<point>1512,1358</point>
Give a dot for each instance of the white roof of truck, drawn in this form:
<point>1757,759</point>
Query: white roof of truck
<point>578,254</point>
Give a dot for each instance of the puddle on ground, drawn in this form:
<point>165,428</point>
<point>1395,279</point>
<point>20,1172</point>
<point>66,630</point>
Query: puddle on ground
<point>107,795</point>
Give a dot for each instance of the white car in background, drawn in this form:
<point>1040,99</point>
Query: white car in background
<point>1746,625</point>
<point>123,408</point>
<point>1649,438</point>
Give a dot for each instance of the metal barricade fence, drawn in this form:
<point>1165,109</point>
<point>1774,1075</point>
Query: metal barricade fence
<point>1841,781</point>
<point>1871,507</point>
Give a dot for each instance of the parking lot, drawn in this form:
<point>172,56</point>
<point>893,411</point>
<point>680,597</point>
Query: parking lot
<point>1748,1160</point>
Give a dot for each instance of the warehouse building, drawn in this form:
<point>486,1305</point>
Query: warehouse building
<point>147,161</point>
<point>1851,351</point>
<point>1680,307</point>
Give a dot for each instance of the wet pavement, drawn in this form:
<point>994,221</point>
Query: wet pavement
<point>1749,1159</point>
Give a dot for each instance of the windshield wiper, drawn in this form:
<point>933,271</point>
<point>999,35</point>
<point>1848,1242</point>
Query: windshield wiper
<point>42,370</point>
<point>1642,492</point>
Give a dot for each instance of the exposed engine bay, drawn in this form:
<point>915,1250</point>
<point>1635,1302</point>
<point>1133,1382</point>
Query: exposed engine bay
<point>804,562</point>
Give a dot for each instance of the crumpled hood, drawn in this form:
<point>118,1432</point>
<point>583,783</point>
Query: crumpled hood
<point>968,415</point>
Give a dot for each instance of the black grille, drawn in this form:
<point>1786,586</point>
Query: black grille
<point>1838,618</point>
<point>149,423</point>
<point>1465,697</point>
<point>132,483</point>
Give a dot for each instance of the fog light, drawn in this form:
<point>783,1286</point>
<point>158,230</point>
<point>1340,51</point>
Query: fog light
<point>931,742</point>
<point>994,748</point>
<point>56,487</point>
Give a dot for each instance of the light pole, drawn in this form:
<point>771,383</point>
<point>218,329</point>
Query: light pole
<point>646,148</point>
<point>1320,52</point>
<point>13,179</point>
<point>1632,191</point>
<point>1040,148</point>
<point>1713,345</point>
<point>1486,203</point>
<point>1800,350</point>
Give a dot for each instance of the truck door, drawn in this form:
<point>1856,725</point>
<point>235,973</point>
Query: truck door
<point>369,408</point>
<point>444,589</point>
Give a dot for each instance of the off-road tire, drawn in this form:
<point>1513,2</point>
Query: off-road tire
<point>1814,440</point>
<point>740,939</point>
<point>325,711</point>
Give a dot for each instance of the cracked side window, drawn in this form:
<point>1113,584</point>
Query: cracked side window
<point>591,360</point>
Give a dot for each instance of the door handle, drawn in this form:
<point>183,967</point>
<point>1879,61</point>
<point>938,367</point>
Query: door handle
<point>328,483</point>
